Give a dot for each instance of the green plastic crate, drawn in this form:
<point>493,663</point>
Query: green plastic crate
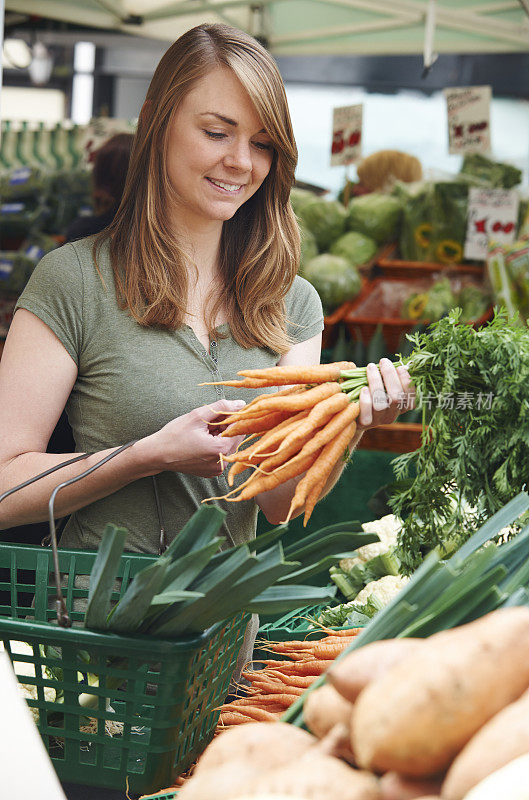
<point>168,689</point>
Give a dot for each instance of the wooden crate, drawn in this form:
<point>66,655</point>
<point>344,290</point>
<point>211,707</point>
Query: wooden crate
<point>384,309</point>
<point>399,437</point>
<point>388,264</point>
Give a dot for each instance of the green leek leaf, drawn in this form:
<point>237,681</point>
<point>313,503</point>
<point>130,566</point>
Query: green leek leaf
<point>185,570</point>
<point>170,597</point>
<point>333,543</point>
<point>330,530</point>
<point>103,576</point>
<point>176,621</point>
<point>128,614</point>
<point>197,532</point>
<point>280,599</point>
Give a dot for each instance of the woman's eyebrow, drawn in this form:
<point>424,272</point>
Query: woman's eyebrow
<point>227,120</point>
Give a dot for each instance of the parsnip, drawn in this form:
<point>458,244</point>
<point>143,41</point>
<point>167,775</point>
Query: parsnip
<point>262,744</point>
<point>502,739</point>
<point>351,674</point>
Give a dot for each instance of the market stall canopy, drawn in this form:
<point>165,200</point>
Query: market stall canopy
<point>314,27</point>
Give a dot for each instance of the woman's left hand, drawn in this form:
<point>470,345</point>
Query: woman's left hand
<point>390,393</point>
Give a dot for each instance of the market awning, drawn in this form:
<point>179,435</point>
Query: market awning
<point>313,27</point>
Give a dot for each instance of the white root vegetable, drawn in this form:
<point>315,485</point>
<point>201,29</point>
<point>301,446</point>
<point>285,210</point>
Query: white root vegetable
<point>225,782</point>
<point>352,673</point>
<point>262,744</point>
<point>510,782</point>
<point>418,716</point>
<point>502,739</point>
<point>320,777</point>
<point>324,708</point>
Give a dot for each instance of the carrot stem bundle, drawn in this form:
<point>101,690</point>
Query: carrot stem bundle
<point>303,428</point>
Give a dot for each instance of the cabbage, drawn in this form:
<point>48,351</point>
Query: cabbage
<point>375,215</point>
<point>308,248</point>
<point>355,247</point>
<point>299,198</point>
<point>325,219</point>
<point>335,279</point>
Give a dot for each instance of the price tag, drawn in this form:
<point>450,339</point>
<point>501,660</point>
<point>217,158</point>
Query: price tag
<point>492,214</point>
<point>346,145</point>
<point>468,110</point>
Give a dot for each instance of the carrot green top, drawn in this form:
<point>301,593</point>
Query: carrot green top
<point>133,380</point>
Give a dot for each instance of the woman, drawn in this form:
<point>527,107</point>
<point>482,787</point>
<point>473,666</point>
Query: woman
<point>194,280</point>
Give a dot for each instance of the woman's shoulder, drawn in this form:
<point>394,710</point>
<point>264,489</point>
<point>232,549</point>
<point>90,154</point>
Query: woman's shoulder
<point>303,293</point>
<point>304,311</point>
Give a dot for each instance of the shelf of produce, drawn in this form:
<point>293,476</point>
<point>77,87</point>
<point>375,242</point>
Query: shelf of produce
<point>388,264</point>
<point>381,301</point>
<point>399,437</point>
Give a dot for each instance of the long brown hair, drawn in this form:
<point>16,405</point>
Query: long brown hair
<point>259,249</point>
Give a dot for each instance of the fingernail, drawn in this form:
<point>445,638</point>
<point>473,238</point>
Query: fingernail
<point>385,361</point>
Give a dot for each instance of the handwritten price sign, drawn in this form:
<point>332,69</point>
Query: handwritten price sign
<point>346,145</point>
<point>468,110</point>
<point>492,214</point>
<point>99,130</point>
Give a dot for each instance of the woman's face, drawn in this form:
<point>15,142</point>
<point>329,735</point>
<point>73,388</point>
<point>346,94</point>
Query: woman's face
<point>218,152</point>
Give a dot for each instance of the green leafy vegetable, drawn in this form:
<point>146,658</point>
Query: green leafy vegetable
<point>103,575</point>
<point>473,386</point>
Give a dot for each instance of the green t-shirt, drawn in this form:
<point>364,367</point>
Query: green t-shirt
<point>133,380</point>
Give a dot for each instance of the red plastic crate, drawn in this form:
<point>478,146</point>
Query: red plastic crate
<point>381,300</point>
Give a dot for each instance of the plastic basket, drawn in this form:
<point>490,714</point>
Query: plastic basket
<point>160,695</point>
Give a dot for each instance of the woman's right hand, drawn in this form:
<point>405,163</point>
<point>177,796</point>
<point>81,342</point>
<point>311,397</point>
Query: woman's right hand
<point>187,445</point>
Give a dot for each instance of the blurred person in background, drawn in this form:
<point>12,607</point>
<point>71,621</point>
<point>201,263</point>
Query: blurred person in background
<point>111,162</point>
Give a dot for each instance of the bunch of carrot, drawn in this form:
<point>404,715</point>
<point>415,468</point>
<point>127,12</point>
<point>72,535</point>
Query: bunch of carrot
<point>305,428</point>
<point>275,687</point>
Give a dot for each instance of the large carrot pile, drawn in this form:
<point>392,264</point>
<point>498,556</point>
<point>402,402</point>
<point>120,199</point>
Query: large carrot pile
<point>304,428</point>
<point>275,687</point>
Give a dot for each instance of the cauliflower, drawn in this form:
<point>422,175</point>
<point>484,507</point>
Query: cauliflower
<point>384,589</point>
<point>387,529</point>
<point>29,691</point>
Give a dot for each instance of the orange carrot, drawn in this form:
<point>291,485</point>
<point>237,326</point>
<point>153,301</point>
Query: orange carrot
<point>299,681</point>
<point>256,424</point>
<point>296,389</point>
<point>246,383</point>
<point>232,718</point>
<point>318,373</point>
<point>281,456</point>
<point>263,483</point>
<point>297,402</point>
<point>268,439</point>
<point>257,714</point>
<point>345,632</point>
<point>326,461</point>
<point>265,699</point>
<point>319,415</point>
<point>310,487</point>
<point>312,667</point>
<point>330,650</point>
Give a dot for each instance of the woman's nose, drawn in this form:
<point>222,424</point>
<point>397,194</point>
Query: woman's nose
<point>239,156</point>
